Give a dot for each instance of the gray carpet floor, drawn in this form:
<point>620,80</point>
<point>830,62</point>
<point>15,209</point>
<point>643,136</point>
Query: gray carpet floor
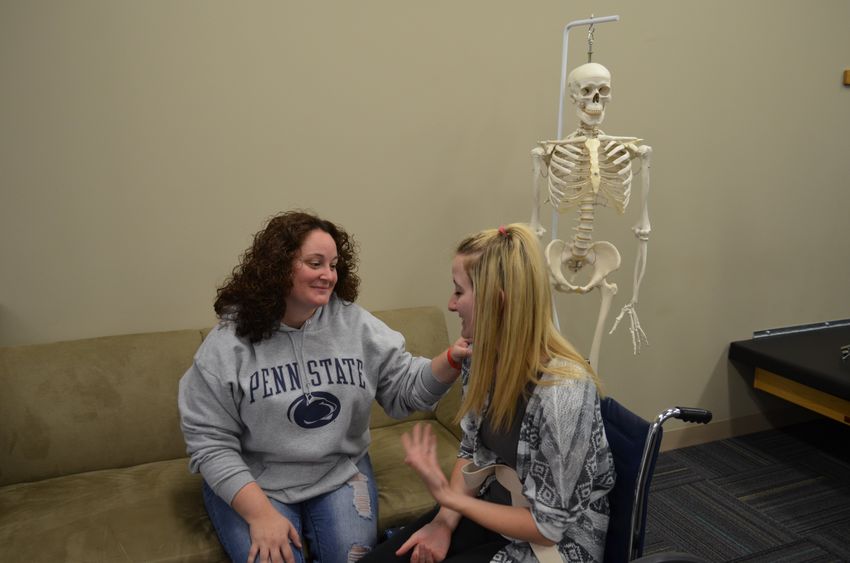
<point>779,496</point>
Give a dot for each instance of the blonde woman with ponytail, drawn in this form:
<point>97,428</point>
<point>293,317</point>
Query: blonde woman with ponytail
<point>534,467</point>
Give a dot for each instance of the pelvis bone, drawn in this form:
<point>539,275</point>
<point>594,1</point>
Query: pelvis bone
<point>601,259</point>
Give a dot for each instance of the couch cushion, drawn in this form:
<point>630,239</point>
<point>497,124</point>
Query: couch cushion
<point>91,404</point>
<point>152,512</point>
<point>401,494</point>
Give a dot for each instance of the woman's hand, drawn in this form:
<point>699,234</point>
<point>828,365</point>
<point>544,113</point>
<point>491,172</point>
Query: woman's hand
<point>420,445</point>
<point>430,543</point>
<point>460,350</point>
<point>271,532</point>
<point>446,365</point>
<point>271,535</point>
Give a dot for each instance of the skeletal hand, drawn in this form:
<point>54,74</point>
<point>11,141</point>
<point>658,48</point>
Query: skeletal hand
<point>638,335</point>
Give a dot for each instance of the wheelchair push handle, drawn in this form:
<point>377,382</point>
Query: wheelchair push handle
<point>692,414</point>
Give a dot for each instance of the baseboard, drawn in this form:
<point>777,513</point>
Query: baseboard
<point>695,434</point>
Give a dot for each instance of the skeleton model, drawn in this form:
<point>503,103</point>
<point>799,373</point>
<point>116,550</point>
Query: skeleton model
<point>587,170</point>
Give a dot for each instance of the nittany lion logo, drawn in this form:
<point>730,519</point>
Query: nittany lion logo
<point>320,410</point>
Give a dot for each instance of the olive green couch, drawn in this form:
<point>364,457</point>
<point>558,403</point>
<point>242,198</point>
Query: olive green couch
<point>92,460</point>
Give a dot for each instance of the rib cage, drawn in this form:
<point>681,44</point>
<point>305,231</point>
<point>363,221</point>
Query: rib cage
<point>569,172</point>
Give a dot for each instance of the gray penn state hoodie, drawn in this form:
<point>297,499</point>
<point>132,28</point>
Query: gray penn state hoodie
<point>291,412</point>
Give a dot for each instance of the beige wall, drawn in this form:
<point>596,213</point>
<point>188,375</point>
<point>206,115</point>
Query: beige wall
<point>142,143</point>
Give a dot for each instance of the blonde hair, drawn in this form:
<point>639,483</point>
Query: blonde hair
<point>515,337</point>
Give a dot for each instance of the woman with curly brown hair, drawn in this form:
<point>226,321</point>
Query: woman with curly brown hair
<point>275,408</point>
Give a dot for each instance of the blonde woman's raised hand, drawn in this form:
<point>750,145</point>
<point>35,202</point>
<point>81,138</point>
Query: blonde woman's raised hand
<point>420,446</point>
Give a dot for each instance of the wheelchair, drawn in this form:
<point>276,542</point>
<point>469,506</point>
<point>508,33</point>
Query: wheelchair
<point>635,444</point>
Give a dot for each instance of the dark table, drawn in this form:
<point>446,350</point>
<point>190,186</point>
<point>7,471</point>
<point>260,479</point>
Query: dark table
<point>803,365</point>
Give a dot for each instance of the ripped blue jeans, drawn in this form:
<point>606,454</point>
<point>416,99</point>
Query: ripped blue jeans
<point>339,526</point>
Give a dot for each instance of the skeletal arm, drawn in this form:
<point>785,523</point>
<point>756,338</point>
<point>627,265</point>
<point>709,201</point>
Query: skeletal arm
<point>641,231</point>
<point>539,174</point>
<point>642,227</point>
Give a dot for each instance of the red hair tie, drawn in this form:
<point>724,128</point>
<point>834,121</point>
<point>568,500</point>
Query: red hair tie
<point>503,231</point>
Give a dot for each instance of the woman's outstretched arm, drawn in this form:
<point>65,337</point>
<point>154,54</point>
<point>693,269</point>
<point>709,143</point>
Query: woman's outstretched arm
<point>516,522</point>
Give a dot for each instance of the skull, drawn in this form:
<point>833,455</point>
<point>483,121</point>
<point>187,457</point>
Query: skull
<point>590,90</point>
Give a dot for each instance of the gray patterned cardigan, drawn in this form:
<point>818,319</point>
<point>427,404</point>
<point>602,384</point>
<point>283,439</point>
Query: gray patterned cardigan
<point>564,464</point>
